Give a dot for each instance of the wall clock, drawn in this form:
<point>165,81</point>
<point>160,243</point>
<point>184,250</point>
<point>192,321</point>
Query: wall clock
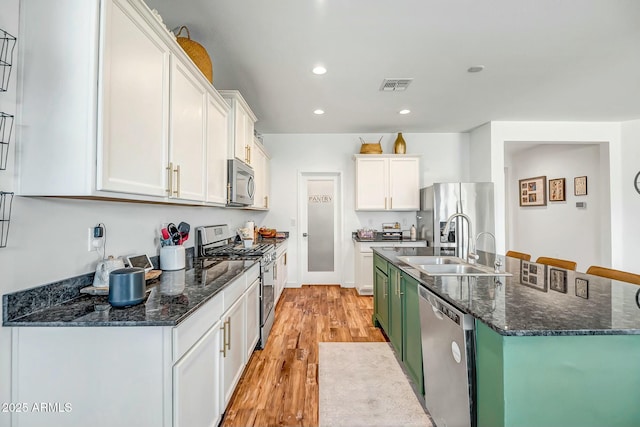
<point>636,182</point>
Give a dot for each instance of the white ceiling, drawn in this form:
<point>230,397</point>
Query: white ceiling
<point>544,60</point>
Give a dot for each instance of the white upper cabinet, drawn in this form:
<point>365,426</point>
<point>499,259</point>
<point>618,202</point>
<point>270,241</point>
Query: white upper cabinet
<point>186,168</point>
<point>217,149</point>
<point>132,144</point>
<point>241,125</point>
<point>387,182</point>
<point>113,107</point>
<point>260,163</point>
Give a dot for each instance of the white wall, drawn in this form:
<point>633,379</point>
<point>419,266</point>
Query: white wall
<point>559,229</point>
<point>606,134</point>
<point>443,159</point>
<point>9,23</point>
<point>630,203</point>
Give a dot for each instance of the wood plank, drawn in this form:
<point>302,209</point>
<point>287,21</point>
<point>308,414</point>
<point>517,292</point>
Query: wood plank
<point>280,384</point>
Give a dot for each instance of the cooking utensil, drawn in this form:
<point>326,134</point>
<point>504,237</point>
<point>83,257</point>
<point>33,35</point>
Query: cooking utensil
<point>184,229</point>
<point>173,233</point>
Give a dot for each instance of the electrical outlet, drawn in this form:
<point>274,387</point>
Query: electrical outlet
<point>94,243</point>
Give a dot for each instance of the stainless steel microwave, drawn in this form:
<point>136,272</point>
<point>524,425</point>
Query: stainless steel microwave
<point>240,185</point>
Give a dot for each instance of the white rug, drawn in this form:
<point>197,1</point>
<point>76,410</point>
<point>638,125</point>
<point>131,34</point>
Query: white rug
<point>362,384</point>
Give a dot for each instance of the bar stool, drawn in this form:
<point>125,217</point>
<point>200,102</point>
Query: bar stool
<point>520,255</point>
<point>610,273</point>
<point>557,262</point>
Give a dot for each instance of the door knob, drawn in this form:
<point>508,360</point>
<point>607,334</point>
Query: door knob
<point>305,235</point>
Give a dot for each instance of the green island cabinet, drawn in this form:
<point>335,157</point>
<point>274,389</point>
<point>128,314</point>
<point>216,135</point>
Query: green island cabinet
<point>396,311</point>
<point>563,381</point>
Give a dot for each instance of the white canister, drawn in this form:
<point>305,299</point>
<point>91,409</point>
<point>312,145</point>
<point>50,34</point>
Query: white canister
<point>172,257</point>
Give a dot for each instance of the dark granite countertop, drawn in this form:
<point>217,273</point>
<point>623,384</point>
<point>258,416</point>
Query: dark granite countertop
<point>378,238</point>
<point>510,307</point>
<point>160,308</point>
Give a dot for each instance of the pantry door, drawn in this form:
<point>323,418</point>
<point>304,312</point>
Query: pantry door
<point>320,225</point>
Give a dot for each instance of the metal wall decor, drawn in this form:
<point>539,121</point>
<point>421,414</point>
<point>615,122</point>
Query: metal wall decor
<point>6,200</point>
<point>6,127</point>
<point>7,44</point>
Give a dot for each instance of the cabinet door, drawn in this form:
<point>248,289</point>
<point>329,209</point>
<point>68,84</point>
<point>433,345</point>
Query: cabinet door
<point>395,310</point>
<point>411,337</point>
<point>217,146</point>
<point>196,383</point>
<point>132,149</point>
<point>381,299</point>
<point>187,142</point>
<point>253,317</point>
<point>365,284</point>
<point>404,184</point>
<point>257,163</point>
<point>371,184</point>
<point>234,350</point>
<point>240,133</point>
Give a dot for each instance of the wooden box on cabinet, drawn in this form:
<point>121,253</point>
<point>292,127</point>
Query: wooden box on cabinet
<point>387,182</point>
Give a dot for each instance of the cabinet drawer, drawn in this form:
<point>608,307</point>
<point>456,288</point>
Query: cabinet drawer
<point>380,263</point>
<point>186,334</point>
<point>233,291</point>
<point>253,273</point>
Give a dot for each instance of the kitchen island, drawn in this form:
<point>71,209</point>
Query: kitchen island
<point>561,354</point>
<point>172,360</point>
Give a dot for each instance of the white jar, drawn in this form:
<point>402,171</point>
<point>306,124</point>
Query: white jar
<point>172,257</point>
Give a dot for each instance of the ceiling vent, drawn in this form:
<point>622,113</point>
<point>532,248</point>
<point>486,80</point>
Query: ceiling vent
<point>395,85</point>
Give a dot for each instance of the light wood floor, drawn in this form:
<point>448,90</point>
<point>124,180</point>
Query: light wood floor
<point>280,384</point>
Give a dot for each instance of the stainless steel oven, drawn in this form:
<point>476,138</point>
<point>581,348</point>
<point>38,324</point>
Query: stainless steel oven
<point>240,185</point>
<point>215,242</point>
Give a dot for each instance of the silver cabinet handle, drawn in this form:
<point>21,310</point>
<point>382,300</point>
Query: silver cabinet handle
<point>229,329</point>
<point>170,179</point>
<point>224,339</point>
<point>385,288</point>
<point>177,190</point>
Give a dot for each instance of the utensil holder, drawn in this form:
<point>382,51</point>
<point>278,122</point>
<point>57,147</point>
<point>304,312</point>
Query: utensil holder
<point>172,257</point>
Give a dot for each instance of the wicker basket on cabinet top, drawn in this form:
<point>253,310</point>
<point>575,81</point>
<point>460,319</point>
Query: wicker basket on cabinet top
<point>197,53</point>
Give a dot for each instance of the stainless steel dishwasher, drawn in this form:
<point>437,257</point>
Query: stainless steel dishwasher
<point>448,361</point>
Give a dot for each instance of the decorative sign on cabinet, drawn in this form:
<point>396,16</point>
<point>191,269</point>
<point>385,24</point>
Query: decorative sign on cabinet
<point>387,182</point>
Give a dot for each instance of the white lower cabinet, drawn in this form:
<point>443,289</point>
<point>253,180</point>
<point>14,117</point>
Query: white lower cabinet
<point>364,261</point>
<point>152,376</point>
<point>233,342</point>
<point>196,383</point>
<point>253,317</point>
<point>281,271</point>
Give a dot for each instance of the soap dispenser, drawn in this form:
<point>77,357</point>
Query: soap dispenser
<point>412,233</point>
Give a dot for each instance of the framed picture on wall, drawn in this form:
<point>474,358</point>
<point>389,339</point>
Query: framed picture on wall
<point>556,190</point>
<point>533,191</point>
<point>580,186</point>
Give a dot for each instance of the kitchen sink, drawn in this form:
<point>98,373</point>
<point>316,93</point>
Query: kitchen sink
<point>431,260</point>
<point>448,266</point>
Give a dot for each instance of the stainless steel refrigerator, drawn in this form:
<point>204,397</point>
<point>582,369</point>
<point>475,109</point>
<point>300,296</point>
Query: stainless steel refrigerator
<point>441,200</point>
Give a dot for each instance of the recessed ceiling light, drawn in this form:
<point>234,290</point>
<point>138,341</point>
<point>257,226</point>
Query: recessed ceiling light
<point>319,70</point>
<point>405,111</point>
<point>475,69</point>
<point>318,111</point>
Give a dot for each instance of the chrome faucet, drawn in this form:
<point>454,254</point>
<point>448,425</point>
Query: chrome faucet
<point>471,248</point>
<point>497,262</point>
